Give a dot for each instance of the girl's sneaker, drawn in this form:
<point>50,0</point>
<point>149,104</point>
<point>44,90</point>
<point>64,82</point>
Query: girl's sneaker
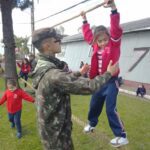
<point>119,141</point>
<point>88,128</point>
<point>19,135</point>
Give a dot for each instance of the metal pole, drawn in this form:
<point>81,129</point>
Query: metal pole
<point>32,25</point>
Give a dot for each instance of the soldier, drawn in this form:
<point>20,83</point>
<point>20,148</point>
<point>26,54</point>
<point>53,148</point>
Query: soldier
<point>53,87</point>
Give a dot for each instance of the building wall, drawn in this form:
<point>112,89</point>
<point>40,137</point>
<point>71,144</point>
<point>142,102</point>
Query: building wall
<point>75,52</point>
<point>129,56</point>
<point>134,64</point>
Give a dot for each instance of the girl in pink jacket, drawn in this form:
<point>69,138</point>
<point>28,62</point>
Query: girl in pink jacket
<point>25,69</point>
<point>106,47</point>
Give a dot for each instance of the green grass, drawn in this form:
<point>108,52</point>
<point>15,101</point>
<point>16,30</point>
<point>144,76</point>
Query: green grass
<point>134,112</point>
<point>2,84</point>
<point>30,139</point>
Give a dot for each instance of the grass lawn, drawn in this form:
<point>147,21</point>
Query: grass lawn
<point>134,112</point>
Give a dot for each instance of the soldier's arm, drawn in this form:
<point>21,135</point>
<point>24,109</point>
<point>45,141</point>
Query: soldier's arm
<point>77,74</point>
<point>68,83</point>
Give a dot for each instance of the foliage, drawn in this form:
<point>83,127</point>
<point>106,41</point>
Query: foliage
<point>22,4</point>
<point>21,45</point>
<point>8,35</point>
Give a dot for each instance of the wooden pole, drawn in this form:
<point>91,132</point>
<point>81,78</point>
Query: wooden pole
<point>24,81</point>
<point>97,6</point>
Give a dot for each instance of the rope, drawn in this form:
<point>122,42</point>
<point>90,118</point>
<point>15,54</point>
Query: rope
<point>62,11</point>
<point>93,134</point>
<point>24,81</point>
<point>96,134</point>
<point>76,16</point>
<point>89,10</point>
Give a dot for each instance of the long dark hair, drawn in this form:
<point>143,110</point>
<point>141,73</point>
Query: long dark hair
<point>27,61</point>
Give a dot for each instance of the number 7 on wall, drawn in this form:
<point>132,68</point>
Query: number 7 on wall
<point>142,51</point>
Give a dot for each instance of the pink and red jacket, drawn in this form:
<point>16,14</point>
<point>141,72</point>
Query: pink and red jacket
<point>111,51</point>
<point>14,98</point>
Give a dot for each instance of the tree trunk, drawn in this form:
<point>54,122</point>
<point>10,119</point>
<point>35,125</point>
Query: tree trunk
<point>8,39</point>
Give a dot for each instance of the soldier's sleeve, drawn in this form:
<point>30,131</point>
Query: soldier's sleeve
<point>76,74</point>
<point>69,83</point>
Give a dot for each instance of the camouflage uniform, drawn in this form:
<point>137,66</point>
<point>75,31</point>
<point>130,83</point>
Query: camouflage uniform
<point>53,100</point>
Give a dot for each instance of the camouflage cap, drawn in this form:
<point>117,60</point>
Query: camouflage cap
<point>39,35</point>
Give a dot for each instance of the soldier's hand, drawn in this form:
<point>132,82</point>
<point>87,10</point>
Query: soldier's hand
<point>84,69</point>
<point>83,15</point>
<point>113,68</point>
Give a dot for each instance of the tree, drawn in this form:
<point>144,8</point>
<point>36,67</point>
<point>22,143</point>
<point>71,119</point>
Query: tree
<point>22,46</point>
<point>8,34</point>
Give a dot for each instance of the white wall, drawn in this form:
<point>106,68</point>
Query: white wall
<point>76,52</point>
<point>141,73</point>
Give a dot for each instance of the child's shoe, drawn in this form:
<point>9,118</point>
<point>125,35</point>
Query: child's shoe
<point>88,128</point>
<point>119,141</point>
<point>19,135</point>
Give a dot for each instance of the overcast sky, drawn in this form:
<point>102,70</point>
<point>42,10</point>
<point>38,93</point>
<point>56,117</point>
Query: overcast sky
<point>130,10</point>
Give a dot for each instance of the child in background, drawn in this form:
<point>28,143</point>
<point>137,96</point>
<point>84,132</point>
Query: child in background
<point>25,69</point>
<point>141,90</point>
<point>13,97</point>
<point>106,47</point>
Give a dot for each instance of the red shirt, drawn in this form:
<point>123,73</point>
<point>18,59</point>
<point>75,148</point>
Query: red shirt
<point>25,68</point>
<point>14,99</point>
<point>111,51</point>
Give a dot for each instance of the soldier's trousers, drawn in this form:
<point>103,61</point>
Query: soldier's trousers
<point>53,140</point>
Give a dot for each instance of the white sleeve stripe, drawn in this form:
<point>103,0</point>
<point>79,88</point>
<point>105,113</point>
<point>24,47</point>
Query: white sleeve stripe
<point>115,40</point>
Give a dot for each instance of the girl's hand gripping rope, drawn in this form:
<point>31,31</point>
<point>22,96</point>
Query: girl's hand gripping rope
<point>110,3</point>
